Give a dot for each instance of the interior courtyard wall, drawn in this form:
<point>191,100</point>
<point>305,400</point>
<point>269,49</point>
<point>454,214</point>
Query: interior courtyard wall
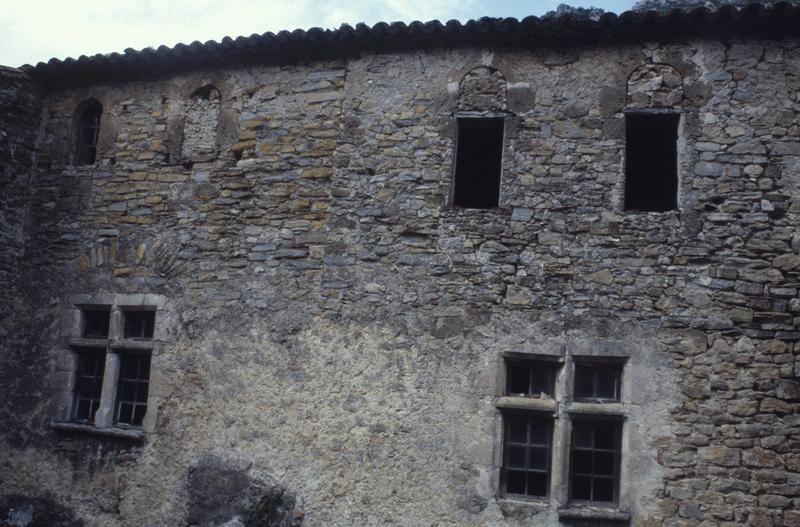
<point>337,327</point>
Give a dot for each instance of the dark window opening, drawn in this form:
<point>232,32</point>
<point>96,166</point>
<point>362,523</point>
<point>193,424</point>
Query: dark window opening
<point>134,382</point>
<point>478,162</point>
<point>598,382</point>
<point>95,323</point>
<point>595,460</point>
<point>526,455</point>
<point>139,324</point>
<point>530,378</point>
<point>651,162</point>
<point>88,132</point>
<point>88,385</point>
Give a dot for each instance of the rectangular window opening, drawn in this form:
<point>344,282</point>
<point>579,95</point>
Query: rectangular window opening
<point>132,389</point>
<point>526,455</point>
<point>530,378</point>
<point>651,162</point>
<point>139,324</point>
<point>595,460</point>
<point>479,155</point>
<point>95,323</point>
<point>88,385</point>
<point>598,382</point>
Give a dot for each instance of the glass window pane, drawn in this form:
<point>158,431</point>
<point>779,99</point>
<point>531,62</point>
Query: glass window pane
<point>95,323</point>
<point>139,324</point>
<point>584,388</point>
<point>128,391</point>
<point>537,458</point>
<point>138,414</point>
<point>541,378</point>
<point>582,435</point>
<point>603,489</point>
<point>517,430</point>
<point>605,435</point>
<point>515,482</point>
<point>540,433</point>
<point>125,413</point>
<point>518,379</point>
<point>516,456</point>
<point>604,463</point>
<point>582,461</point>
<point>537,484</point>
<point>606,384</point>
<point>82,412</point>
<point>581,488</point>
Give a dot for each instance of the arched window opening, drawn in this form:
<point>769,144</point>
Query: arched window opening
<point>88,131</point>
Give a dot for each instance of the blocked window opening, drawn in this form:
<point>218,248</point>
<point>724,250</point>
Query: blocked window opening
<point>595,460</point>
<point>133,386</point>
<point>526,455</point>
<point>598,382</point>
<point>478,163</point>
<point>95,323</point>
<point>651,161</point>
<point>88,133</point>
<point>88,385</point>
<point>530,378</point>
<point>139,324</point>
<point>200,126</point>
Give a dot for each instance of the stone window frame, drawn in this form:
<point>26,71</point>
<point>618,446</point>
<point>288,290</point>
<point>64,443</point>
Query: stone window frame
<point>563,409</point>
<point>114,347</point>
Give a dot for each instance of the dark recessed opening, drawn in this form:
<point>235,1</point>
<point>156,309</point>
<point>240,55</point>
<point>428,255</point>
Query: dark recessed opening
<point>95,323</point>
<point>526,455</point>
<point>651,162</point>
<point>88,132</point>
<point>595,460</point>
<point>598,382</point>
<point>529,378</point>
<point>88,385</point>
<point>478,161</point>
<point>139,324</point>
<point>134,382</point>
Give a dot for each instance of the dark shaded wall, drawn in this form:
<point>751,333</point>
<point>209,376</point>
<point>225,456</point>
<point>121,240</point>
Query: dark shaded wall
<point>20,111</point>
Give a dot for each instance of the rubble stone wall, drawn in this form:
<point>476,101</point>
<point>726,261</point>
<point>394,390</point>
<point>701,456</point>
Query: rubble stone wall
<point>337,329</point>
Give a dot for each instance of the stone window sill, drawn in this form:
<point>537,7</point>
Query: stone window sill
<point>518,502</point>
<point>606,409</point>
<point>126,344</point>
<point>130,434</point>
<point>600,515</point>
<point>527,403</point>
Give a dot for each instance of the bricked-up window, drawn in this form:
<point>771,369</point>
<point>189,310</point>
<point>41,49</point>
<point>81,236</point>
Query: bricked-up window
<point>139,324</point>
<point>597,382</point>
<point>530,378</point>
<point>526,455</point>
<point>95,323</point>
<point>651,161</point>
<point>88,127</point>
<point>595,460</point>
<point>479,155</point>
<point>88,385</point>
<point>134,381</point>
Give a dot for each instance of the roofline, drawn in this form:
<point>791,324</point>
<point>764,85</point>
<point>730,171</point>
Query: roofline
<point>773,22</point>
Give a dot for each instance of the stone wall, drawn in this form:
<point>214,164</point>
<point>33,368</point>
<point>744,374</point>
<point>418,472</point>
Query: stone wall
<point>337,329</point>
<point>20,108</point>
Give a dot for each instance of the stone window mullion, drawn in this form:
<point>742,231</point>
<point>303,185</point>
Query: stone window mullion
<point>104,418</point>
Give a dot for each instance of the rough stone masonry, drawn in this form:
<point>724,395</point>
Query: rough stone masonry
<point>332,334</point>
